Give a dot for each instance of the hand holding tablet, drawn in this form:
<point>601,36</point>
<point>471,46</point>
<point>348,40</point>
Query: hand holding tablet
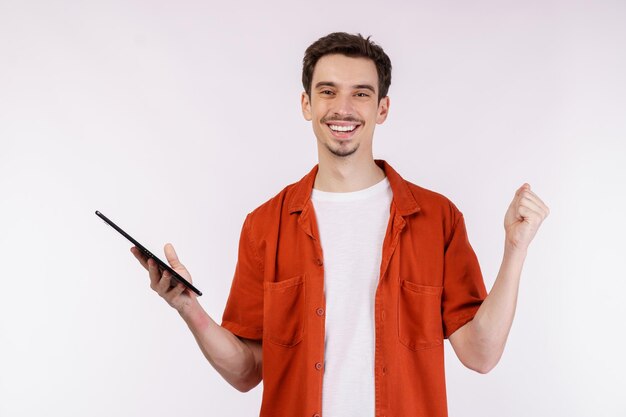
<point>169,282</point>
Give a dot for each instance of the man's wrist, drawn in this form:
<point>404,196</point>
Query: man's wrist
<point>514,252</point>
<point>193,313</point>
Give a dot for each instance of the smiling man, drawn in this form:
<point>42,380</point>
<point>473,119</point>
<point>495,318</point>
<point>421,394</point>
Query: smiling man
<point>349,280</point>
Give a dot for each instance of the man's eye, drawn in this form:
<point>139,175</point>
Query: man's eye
<point>362,94</point>
<point>327,92</point>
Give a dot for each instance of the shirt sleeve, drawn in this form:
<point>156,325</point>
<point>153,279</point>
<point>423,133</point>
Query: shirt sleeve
<point>463,285</point>
<point>243,314</point>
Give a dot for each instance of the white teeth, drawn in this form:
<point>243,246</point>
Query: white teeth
<point>342,128</point>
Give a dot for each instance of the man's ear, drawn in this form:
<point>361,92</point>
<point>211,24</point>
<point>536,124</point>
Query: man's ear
<point>306,106</point>
<point>383,110</point>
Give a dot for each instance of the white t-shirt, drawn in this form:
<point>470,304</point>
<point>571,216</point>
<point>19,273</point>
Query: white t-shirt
<point>352,228</point>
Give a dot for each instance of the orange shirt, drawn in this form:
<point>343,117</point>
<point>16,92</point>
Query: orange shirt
<point>430,284</point>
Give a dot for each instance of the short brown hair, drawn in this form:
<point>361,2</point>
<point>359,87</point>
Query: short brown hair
<point>348,45</point>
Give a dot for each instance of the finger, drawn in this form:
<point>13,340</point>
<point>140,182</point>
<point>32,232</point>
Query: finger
<point>528,214</point>
<point>155,274</point>
<point>518,193</point>
<point>522,188</point>
<point>165,283</point>
<point>175,291</point>
<point>525,201</point>
<point>172,258</point>
<point>529,194</point>
<point>140,257</point>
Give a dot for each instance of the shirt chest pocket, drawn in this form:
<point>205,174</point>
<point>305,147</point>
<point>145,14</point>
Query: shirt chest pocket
<point>283,311</point>
<point>419,315</point>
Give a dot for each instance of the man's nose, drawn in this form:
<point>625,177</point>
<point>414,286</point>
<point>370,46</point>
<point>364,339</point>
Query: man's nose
<point>343,105</point>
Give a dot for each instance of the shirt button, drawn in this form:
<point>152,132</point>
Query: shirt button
<point>316,415</point>
<point>319,261</point>
<point>320,311</point>
<point>383,314</point>
<point>318,366</point>
<point>384,370</point>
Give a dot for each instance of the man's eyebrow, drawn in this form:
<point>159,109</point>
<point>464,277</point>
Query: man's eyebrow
<point>325,84</point>
<point>364,86</point>
<point>357,86</point>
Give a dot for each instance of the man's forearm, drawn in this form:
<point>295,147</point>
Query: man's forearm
<point>230,357</point>
<point>483,339</point>
<point>479,344</point>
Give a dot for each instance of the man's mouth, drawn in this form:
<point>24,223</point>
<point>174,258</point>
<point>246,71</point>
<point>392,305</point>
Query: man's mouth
<point>343,130</point>
<point>337,128</point>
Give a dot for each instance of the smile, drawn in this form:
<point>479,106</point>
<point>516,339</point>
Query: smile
<point>343,131</point>
<point>342,128</point>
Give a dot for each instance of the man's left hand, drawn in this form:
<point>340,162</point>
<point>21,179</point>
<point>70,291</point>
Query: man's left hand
<point>523,218</point>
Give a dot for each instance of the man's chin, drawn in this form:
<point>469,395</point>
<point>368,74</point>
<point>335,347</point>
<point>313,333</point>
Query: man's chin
<point>342,152</point>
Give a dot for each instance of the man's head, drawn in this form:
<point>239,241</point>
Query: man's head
<point>346,79</point>
<point>353,46</point>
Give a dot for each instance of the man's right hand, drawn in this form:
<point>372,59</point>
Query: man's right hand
<point>175,293</point>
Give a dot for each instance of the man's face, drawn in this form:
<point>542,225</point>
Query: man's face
<point>343,106</point>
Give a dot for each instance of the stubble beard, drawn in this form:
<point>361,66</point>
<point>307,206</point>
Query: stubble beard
<point>340,152</point>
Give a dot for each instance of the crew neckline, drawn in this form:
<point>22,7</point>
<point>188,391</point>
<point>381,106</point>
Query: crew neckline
<point>378,188</point>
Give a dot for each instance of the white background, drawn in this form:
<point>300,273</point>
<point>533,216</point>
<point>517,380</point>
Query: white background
<point>175,119</point>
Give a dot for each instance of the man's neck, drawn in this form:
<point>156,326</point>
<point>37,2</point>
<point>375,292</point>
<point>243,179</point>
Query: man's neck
<point>343,175</point>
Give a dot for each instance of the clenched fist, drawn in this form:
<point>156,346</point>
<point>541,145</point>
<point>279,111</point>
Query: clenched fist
<point>523,218</point>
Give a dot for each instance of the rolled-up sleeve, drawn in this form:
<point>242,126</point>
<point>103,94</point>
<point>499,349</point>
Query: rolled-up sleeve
<point>463,285</point>
<point>243,314</point>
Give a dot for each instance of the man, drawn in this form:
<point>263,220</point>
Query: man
<point>348,281</point>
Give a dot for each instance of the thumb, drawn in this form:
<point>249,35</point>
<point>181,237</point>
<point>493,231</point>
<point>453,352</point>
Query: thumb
<point>171,256</point>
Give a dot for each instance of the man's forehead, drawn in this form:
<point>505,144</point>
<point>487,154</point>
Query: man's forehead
<point>342,70</point>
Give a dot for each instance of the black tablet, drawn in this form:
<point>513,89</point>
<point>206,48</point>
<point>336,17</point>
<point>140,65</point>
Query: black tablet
<point>162,265</point>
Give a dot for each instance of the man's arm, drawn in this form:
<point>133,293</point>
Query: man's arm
<point>237,360</point>
<point>479,344</point>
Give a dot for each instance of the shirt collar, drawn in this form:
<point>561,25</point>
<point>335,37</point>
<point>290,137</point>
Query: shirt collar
<point>402,197</point>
